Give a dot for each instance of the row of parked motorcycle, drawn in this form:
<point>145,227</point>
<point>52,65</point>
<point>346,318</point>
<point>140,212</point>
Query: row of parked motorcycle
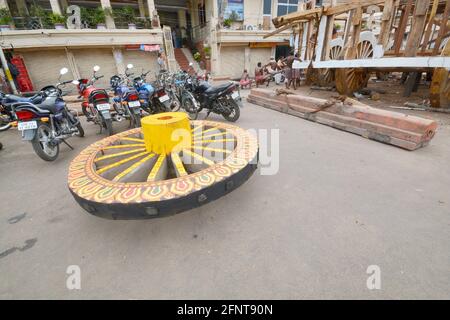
<point>45,120</point>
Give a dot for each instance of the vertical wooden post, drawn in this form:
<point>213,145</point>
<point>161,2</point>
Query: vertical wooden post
<point>443,28</point>
<point>328,34</point>
<point>402,26</point>
<point>430,24</point>
<point>413,42</point>
<point>416,32</point>
<point>356,22</point>
<point>386,22</point>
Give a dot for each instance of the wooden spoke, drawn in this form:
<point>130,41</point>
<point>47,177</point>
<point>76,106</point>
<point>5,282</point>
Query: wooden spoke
<point>205,131</point>
<point>109,156</point>
<point>132,139</point>
<point>198,157</point>
<point>178,165</point>
<point>211,149</point>
<point>118,163</point>
<point>213,135</point>
<point>159,170</point>
<point>121,146</point>
<point>211,141</point>
<point>133,167</point>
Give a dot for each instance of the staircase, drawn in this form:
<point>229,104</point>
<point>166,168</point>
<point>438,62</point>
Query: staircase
<point>182,61</point>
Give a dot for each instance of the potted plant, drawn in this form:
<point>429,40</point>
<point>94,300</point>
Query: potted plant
<point>99,17</point>
<point>227,23</point>
<point>5,19</point>
<point>57,20</point>
<point>207,52</point>
<point>125,14</point>
<point>197,56</point>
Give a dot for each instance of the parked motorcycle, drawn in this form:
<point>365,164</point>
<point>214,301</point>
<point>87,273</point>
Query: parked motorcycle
<point>224,99</point>
<point>45,120</point>
<point>184,85</point>
<point>96,106</point>
<point>153,100</point>
<point>126,98</point>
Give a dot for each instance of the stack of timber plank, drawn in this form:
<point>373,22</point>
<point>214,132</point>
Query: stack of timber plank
<point>398,129</point>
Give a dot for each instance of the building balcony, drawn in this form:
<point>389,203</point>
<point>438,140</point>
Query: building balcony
<point>81,37</point>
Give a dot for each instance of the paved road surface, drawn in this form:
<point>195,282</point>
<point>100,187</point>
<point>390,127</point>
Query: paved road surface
<point>338,204</point>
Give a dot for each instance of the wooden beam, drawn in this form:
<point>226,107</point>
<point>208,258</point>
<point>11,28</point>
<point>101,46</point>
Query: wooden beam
<point>270,34</point>
<point>386,21</point>
<point>430,25</point>
<point>402,26</point>
<point>327,10</point>
<point>416,32</point>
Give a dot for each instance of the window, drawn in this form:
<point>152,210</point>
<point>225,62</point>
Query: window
<point>267,8</point>
<point>286,6</point>
<point>201,14</point>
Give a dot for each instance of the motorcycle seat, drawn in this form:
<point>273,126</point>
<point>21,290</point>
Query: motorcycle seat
<point>48,104</point>
<point>11,98</point>
<point>219,88</point>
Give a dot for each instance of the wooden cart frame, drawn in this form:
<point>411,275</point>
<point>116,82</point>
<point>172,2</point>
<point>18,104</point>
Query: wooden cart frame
<point>413,38</point>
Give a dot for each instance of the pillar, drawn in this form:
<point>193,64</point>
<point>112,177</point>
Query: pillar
<point>212,12</point>
<point>182,22</point>
<point>72,64</point>
<point>64,5</point>
<point>247,59</point>
<point>109,19</point>
<point>141,8</point>
<point>56,8</point>
<point>118,58</point>
<point>22,7</point>
<point>153,14</point>
<point>4,4</point>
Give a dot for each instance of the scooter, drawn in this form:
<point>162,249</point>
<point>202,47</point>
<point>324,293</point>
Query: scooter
<point>96,105</point>
<point>45,120</point>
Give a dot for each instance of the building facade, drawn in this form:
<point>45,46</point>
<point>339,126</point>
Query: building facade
<point>228,34</point>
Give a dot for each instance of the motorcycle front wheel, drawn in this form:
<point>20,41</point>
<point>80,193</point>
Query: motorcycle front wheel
<point>190,108</point>
<point>80,130</point>
<point>109,126</point>
<point>235,112</point>
<point>42,145</point>
<point>135,120</point>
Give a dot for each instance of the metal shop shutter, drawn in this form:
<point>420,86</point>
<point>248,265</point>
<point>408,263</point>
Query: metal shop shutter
<point>86,59</point>
<point>141,60</point>
<point>258,55</point>
<point>43,66</point>
<point>232,61</point>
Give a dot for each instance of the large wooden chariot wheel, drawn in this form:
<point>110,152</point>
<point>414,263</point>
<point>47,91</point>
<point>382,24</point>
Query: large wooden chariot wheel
<point>326,77</point>
<point>168,166</point>
<point>350,80</point>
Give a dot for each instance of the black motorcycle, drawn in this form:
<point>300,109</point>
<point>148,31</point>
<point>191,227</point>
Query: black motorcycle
<point>223,99</point>
<point>45,120</point>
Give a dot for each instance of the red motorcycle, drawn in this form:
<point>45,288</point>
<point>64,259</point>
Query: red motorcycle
<point>96,104</point>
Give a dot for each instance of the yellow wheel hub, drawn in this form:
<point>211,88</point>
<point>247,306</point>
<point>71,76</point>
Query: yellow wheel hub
<point>166,132</point>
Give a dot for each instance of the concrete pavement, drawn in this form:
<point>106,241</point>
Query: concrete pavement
<point>338,204</point>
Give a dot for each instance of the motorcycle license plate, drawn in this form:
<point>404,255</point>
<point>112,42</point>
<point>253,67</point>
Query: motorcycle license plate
<point>235,95</point>
<point>27,125</point>
<point>134,104</point>
<point>102,106</point>
<point>164,98</point>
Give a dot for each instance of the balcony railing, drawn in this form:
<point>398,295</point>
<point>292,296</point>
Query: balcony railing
<point>36,23</point>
